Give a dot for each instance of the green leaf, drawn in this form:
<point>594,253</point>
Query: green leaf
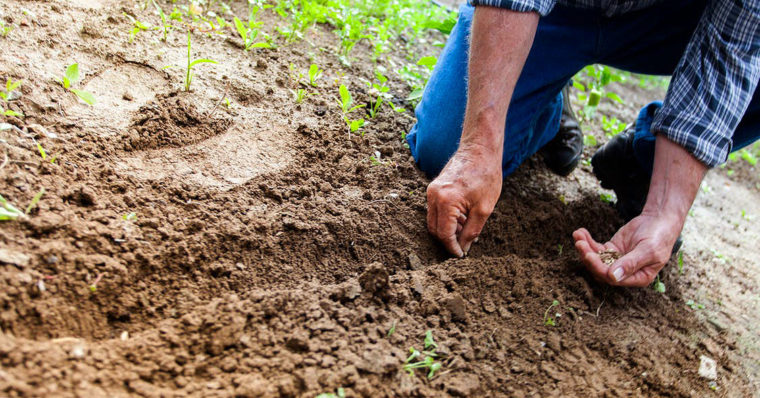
<point>589,140</point>
<point>10,85</point>
<point>85,96</point>
<point>261,44</point>
<point>345,97</point>
<point>242,31</point>
<point>579,86</point>
<point>72,75</point>
<point>42,151</point>
<point>415,95</point>
<point>9,112</point>
<point>35,200</point>
<point>202,61</point>
<point>614,97</point>
<point>8,211</point>
<point>429,342</point>
<point>428,61</point>
<point>65,82</point>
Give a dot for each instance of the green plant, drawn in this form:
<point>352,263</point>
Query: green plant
<point>132,216</point>
<point>590,140</point>
<point>8,211</point>
<point>191,63</point>
<point>596,78</point>
<point>165,26</point>
<point>10,87</point>
<point>300,94</point>
<point>137,27</point>
<point>346,100</point>
<point>694,305</point>
<point>427,358</point>
<point>248,33</point>
<point>607,197</point>
<point>612,126</point>
<point>339,393</point>
<point>4,30</point>
<point>35,200</point>
<point>70,78</point>
<point>548,320</point>
<point>392,329</point>
<point>314,74</point>
<point>658,286</point>
<point>680,262</point>
<point>94,286</point>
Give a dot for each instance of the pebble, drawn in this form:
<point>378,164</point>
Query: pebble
<point>13,257</point>
<point>708,368</point>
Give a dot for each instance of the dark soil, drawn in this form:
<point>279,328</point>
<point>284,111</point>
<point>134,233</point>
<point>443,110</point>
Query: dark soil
<point>270,257</point>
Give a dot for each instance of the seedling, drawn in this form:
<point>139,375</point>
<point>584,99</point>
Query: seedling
<point>300,94</point>
<point>548,320</point>
<point>8,211</point>
<point>392,329</point>
<point>680,262</point>
<point>346,100</point>
<point>191,63</point>
<point>339,393</point>
<point>94,286</point>
<point>35,200</point>
<point>165,26</point>
<point>249,32</point>
<point>589,140</point>
<point>70,78</point>
<point>612,126</point>
<point>10,87</point>
<point>314,74</point>
<point>4,30</point>
<point>658,286</point>
<point>607,197</point>
<point>427,358</point>
<point>138,27</point>
<point>130,216</point>
<point>695,306</point>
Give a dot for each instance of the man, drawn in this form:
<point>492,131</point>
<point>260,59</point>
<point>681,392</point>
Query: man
<point>494,99</point>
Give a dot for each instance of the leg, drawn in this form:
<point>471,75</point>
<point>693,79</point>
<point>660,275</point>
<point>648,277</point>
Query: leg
<point>533,119</point>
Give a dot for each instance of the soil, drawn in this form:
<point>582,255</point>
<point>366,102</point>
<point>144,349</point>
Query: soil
<point>270,256</point>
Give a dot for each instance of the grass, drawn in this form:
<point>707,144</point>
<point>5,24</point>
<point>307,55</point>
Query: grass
<point>191,63</point>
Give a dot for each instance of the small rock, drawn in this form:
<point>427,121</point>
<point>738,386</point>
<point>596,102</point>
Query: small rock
<point>124,336</point>
<point>414,262</point>
<point>457,307</point>
<point>13,257</point>
<point>708,368</point>
<point>77,351</point>
<point>488,305</point>
<point>351,289</point>
<point>24,277</point>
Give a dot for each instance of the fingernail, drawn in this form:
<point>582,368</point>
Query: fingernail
<point>460,253</point>
<point>467,248</point>
<point>618,274</point>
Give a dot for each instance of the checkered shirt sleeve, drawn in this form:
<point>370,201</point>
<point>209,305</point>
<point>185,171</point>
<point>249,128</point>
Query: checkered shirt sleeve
<point>542,7</point>
<point>714,82</point>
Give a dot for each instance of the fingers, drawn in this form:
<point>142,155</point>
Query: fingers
<point>635,269</point>
<point>592,260</point>
<point>583,234</point>
<point>472,227</point>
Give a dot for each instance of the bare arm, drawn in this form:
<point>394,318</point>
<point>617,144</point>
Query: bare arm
<point>462,197</point>
<point>647,240</point>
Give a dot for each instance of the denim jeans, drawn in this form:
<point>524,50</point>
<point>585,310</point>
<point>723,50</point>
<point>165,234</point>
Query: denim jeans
<point>649,41</point>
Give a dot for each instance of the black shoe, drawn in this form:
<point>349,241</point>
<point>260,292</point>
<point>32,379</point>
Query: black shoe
<point>563,153</point>
<point>617,169</point>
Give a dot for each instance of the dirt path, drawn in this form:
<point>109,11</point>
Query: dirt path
<point>269,255</point>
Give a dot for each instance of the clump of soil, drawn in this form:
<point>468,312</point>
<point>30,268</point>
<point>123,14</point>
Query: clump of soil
<point>171,120</point>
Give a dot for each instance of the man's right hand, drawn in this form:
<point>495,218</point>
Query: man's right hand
<point>462,197</point>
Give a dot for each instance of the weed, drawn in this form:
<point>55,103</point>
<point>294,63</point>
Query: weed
<point>314,74</point>
<point>35,200</point>
<point>70,78</point>
<point>191,63</point>
<point>8,211</point>
<point>427,358</point>
<point>658,286</point>
<point>550,321</point>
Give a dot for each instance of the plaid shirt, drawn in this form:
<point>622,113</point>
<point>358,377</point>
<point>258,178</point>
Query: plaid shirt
<point>714,81</point>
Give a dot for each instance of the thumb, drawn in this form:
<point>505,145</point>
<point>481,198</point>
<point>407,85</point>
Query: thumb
<point>472,227</point>
<point>629,270</point>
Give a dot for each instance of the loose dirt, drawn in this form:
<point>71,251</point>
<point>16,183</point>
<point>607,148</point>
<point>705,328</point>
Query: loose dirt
<point>271,257</point>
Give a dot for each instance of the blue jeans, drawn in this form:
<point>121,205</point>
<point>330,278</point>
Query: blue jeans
<point>648,41</point>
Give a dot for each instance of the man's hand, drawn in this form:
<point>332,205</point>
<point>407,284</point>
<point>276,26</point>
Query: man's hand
<point>462,197</point>
<point>647,240</point>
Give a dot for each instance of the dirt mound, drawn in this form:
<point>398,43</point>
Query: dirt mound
<point>171,121</point>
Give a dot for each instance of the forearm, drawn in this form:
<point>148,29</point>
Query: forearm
<point>675,181</point>
<point>500,43</point>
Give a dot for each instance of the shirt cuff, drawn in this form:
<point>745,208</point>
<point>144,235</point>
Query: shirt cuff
<point>685,129</point>
<point>543,7</point>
